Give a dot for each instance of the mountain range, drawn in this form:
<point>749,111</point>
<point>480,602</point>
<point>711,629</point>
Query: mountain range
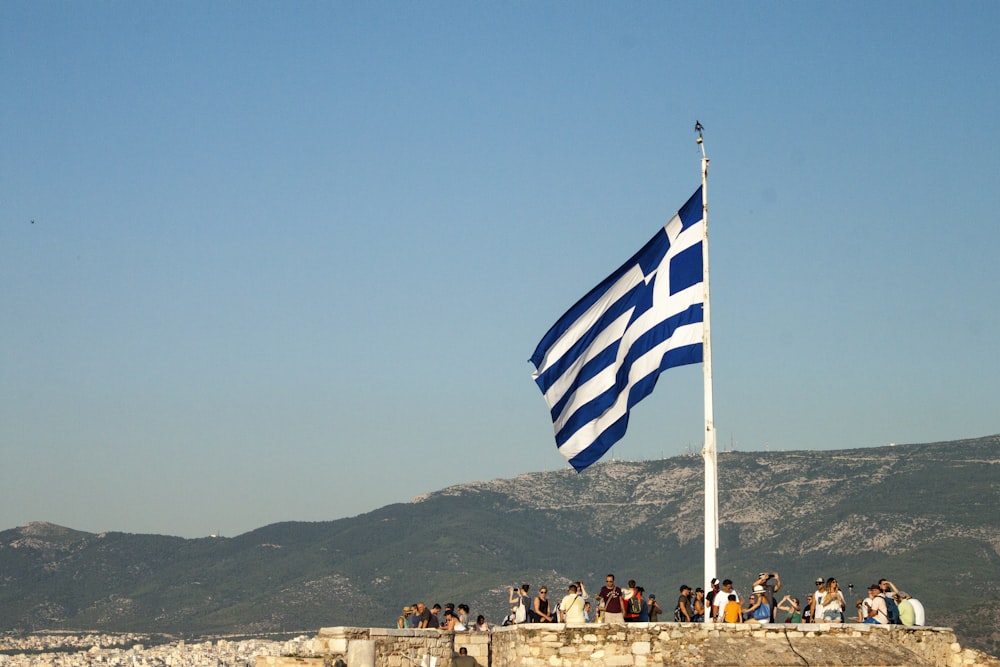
<point>923,515</point>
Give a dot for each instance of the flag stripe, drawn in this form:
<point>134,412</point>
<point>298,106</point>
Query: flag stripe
<point>605,353</point>
<point>616,288</point>
<point>650,342</point>
<point>641,387</point>
<point>691,354</point>
<point>605,325</point>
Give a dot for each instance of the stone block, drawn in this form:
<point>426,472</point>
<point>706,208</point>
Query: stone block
<point>618,661</point>
<point>336,645</point>
<point>641,648</point>
<point>281,661</point>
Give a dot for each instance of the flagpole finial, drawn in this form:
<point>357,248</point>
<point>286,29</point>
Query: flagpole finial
<point>700,129</point>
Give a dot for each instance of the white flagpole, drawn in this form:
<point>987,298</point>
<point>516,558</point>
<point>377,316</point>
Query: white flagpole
<point>709,451</point>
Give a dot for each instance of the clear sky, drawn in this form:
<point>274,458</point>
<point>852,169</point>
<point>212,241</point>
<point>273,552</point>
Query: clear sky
<point>267,261</point>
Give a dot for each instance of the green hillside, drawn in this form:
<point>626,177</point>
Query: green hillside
<point>924,516</point>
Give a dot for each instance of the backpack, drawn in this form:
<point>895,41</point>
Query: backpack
<point>634,605</point>
<point>520,615</point>
<point>892,610</point>
<point>678,616</point>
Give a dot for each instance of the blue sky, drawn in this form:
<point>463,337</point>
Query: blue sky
<point>289,260</point>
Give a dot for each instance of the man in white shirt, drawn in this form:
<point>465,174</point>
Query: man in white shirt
<point>874,606</point>
<point>816,601</point>
<point>721,598</point>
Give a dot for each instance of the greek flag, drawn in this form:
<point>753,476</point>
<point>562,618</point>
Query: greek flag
<point>605,353</point>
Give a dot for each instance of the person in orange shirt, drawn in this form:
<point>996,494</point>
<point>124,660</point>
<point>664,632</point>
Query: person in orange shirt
<point>731,612</point>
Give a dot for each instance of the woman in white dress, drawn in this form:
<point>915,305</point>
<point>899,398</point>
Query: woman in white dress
<point>833,603</point>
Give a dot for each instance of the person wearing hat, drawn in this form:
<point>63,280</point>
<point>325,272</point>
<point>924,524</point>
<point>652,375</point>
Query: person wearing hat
<point>758,610</point>
<point>764,579</point>
<point>873,609</point>
<point>404,620</point>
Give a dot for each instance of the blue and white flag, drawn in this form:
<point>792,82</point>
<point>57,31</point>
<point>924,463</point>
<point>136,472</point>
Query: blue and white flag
<point>604,355</point>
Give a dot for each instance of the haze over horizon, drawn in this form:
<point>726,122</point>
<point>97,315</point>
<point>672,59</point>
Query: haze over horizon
<point>262,263</point>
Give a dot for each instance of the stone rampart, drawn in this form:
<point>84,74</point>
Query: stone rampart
<point>649,645</point>
<point>718,645</point>
<point>402,648</point>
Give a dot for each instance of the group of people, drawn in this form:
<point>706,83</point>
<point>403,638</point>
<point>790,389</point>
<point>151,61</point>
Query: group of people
<point>573,608</point>
<point>885,604</point>
<point>455,619</point>
<point>614,605</point>
<point>725,606</point>
<point>882,597</point>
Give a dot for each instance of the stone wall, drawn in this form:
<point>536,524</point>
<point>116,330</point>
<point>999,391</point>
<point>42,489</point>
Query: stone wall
<point>404,648</point>
<point>717,645</point>
<point>645,645</point>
